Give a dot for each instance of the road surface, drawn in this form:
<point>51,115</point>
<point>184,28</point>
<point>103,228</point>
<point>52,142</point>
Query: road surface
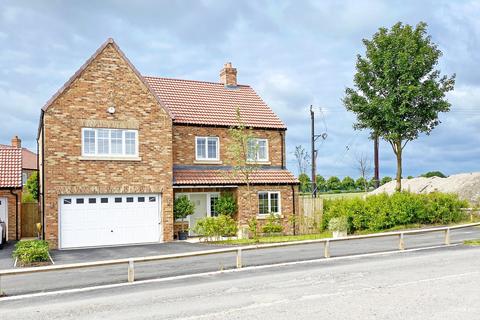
<point>433,284</point>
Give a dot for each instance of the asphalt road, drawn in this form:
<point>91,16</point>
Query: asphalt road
<point>50,281</point>
<point>433,284</point>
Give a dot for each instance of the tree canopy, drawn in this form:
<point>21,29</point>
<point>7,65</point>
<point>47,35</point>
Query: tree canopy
<point>398,92</point>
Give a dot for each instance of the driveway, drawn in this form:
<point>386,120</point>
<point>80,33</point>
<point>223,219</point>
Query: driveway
<point>6,260</point>
<point>107,253</point>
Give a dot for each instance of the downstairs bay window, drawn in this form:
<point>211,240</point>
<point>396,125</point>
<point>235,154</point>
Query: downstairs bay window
<point>268,202</point>
<point>109,143</point>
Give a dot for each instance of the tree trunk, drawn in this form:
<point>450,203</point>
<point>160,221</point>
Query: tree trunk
<point>398,153</point>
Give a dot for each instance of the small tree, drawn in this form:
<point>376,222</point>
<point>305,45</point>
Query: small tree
<point>182,208</point>
<point>430,174</point>
<point>385,180</point>
<point>333,183</point>
<point>364,168</point>
<point>348,183</point>
<point>398,92</point>
<point>305,183</point>
<point>240,148</point>
<point>361,184</point>
<point>226,205</point>
<point>32,185</point>
<point>321,183</point>
<point>303,159</point>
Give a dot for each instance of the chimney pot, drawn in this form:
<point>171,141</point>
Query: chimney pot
<point>228,75</point>
<point>16,142</point>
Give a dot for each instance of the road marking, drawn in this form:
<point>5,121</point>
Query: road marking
<point>212,273</point>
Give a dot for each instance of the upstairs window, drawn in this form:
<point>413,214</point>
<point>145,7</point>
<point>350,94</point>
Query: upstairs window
<point>109,142</point>
<point>257,150</point>
<point>207,148</point>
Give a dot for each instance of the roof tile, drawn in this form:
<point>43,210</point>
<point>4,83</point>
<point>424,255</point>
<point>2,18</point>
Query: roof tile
<point>218,177</point>
<point>10,167</point>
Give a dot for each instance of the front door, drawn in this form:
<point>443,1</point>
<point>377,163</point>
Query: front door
<point>3,213</point>
<point>200,202</point>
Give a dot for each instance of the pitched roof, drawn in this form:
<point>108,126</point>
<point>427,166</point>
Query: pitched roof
<point>29,158</point>
<point>222,177</point>
<point>210,103</point>
<point>10,167</point>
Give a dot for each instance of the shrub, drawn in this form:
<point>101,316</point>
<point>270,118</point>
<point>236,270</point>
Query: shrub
<point>226,205</point>
<point>273,224</point>
<point>253,228</point>
<point>182,208</point>
<point>379,212</point>
<point>338,224</point>
<point>29,251</point>
<point>216,227</point>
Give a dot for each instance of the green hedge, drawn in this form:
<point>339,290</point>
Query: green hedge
<point>382,211</point>
<point>29,251</point>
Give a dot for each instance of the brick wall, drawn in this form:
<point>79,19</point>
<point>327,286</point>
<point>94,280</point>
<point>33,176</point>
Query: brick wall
<point>184,142</point>
<point>12,214</point>
<point>107,80</point>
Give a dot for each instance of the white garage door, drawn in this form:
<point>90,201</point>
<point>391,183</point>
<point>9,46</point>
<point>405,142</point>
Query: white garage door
<point>106,220</point>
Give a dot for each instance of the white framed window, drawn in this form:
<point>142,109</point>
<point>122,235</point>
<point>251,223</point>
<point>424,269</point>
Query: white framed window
<point>101,142</point>
<point>269,202</point>
<point>257,150</point>
<point>207,148</point>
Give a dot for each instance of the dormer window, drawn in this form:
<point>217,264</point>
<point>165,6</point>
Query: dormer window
<point>207,148</point>
<point>257,150</point>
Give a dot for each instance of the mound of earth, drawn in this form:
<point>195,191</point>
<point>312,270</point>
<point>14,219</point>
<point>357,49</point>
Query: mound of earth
<point>466,185</point>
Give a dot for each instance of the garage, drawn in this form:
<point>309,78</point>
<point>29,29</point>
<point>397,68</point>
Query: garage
<point>107,220</point>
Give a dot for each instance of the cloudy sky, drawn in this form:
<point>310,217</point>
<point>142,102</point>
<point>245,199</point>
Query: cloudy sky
<point>294,53</point>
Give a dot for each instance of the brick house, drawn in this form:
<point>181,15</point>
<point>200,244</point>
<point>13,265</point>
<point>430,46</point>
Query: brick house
<point>116,148</point>
<point>11,189</point>
<point>29,159</point>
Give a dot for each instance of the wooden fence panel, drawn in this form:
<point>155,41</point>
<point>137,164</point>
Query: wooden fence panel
<point>30,217</point>
<point>310,215</point>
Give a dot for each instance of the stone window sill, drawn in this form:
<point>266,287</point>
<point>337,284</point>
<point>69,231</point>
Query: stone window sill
<point>265,216</point>
<point>83,158</point>
<point>259,162</point>
<point>207,162</point>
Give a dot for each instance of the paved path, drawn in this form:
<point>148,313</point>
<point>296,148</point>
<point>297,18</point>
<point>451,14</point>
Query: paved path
<point>14,285</point>
<point>435,284</point>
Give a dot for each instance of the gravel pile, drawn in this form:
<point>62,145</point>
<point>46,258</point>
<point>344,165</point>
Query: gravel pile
<point>466,185</point>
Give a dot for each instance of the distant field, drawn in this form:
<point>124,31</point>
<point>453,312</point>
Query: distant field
<point>340,195</point>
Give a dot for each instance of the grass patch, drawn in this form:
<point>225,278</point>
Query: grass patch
<point>346,195</point>
<point>276,239</point>
<point>472,242</point>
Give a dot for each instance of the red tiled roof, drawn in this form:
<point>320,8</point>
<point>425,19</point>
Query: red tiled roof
<point>10,167</point>
<point>210,103</point>
<point>215,177</point>
<point>29,158</point>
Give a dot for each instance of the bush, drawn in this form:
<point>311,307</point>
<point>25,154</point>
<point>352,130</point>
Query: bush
<point>29,251</point>
<point>338,224</point>
<point>379,212</point>
<point>216,227</point>
<point>273,224</point>
<point>32,185</point>
<point>226,205</point>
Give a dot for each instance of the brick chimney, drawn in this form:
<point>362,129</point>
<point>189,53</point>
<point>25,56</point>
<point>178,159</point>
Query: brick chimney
<point>228,75</point>
<point>16,142</point>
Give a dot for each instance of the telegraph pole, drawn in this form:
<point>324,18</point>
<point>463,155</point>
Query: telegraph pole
<point>375,160</point>
<point>314,155</point>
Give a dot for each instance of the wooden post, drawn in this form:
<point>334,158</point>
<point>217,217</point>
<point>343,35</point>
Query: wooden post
<point>239,258</point>
<point>326,251</point>
<point>447,236</point>
<point>401,243</point>
<point>131,271</point>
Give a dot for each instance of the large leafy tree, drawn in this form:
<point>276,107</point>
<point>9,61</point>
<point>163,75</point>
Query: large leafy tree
<point>398,92</point>
<point>305,183</point>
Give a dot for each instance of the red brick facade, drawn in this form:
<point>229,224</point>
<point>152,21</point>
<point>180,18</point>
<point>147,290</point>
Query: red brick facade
<point>12,212</point>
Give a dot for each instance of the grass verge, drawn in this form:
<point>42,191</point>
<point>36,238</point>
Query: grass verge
<point>275,239</point>
<point>472,242</point>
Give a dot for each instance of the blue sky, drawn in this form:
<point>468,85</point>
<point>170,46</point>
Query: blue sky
<point>294,53</point>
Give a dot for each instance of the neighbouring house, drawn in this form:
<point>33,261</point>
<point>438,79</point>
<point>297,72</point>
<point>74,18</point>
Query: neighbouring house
<point>11,189</point>
<point>116,148</point>
<point>29,159</point>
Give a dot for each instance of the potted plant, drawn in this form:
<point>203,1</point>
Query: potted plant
<point>338,226</point>
<point>182,208</point>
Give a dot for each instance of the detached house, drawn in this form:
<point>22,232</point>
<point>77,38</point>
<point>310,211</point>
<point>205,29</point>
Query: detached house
<point>116,148</point>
